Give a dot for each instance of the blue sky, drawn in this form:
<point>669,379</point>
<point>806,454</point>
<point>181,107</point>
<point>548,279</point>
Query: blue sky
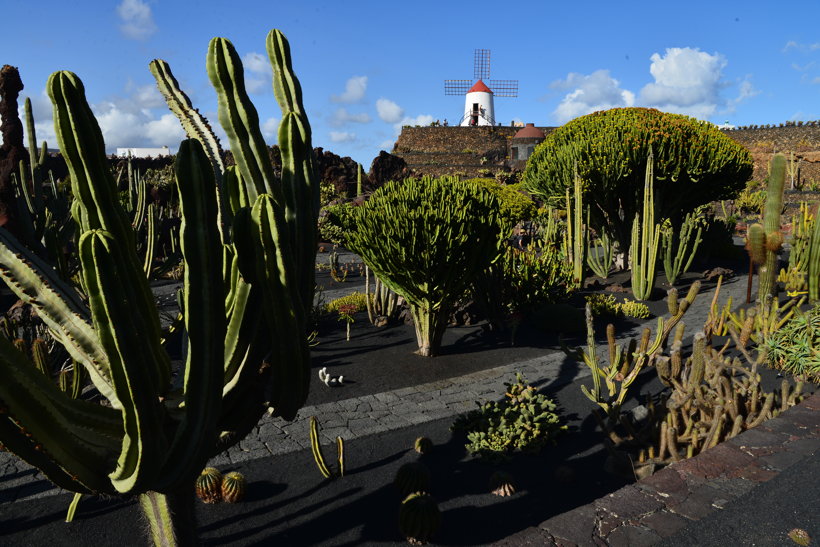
<point>367,67</point>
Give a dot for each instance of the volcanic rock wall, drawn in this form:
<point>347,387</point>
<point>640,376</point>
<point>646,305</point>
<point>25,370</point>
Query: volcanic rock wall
<point>471,151</point>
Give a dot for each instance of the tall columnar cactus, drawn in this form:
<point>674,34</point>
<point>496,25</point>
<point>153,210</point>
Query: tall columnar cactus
<point>426,240</point>
<point>243,315</point>
<point>576,237</point>
<point>643,252</point>
<point>764,242</point>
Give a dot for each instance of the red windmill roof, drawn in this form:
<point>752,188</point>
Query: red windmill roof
<point>479,86</point>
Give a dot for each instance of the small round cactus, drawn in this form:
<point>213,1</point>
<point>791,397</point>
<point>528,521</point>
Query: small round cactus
<point>412,477</point>
<point>233,487</point>
<point>209,485</point>
<point>501,484</point>
<point>419,518</point>
<point>423,445</point>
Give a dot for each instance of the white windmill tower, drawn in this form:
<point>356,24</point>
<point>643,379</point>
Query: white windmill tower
<point>478,103</point>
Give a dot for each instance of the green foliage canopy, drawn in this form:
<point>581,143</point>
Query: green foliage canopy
<point>695,163</point>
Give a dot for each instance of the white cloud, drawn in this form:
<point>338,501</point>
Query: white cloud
<point>342,136</point>
<point>387,145</point>
<point>791,44</point>
<point>389,111</point>
<point>258,72</point>
<point>270,128</point>
<point>355,89</point>
<point>121,128</point>
<point>421,119</point>
<point>342,117</point>
<point>687,81</point>
<point>137,20</point>
<point>165,131</point>
<point>592,92</point>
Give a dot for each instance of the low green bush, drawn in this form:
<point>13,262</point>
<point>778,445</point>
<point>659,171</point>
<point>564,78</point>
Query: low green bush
<point>524,421</point>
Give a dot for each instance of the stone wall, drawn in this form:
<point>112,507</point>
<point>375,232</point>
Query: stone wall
<point>471,151</point>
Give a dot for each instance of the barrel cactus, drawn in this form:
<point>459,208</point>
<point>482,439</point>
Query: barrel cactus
<point>209,485</point>
<point>423,445</point>
<point>412,477</point>
<point>426,239</point>
<point>233,487</point>
<point>243,304</point>
<point>419,518</point>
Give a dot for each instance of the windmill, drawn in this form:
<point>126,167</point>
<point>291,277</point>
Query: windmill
<point>478,103</point>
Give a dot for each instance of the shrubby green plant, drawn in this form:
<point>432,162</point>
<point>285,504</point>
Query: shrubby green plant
<point>514,205</point>
<point>603,305</point>
<point>795,347</point>
<point>427,239</point>
<point>694,164</point>
<point>631,308</point>
<point>355,299</point>
<point>524,421</point>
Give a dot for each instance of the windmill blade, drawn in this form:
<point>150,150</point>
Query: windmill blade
<point>504,88</point>
<point>481,64</point>
<point>457,87</point>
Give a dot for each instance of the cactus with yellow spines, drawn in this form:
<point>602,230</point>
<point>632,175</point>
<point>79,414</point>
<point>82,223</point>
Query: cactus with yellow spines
<point>243,310</point>
<point>643,251</point>
<point>764,241</point>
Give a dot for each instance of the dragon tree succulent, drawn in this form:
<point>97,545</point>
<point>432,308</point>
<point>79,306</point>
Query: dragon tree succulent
<point>426,239</point>
<point>242,302</point>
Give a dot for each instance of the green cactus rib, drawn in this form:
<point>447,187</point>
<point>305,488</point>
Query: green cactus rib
<point>290,380</point>
<point>68,440</point>
<point>239,119</point>
<point>767,273</point>
<point>203,301</point>
<point>122,336</point>
<point>814,263</point>
<point>300,185</point>
<point>82,146</point>
<point>60,308</point>
<point>196,126</point>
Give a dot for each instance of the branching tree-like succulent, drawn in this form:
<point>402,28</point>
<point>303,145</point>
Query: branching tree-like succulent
<point>426,239</point>
<point>694,164</point>
<point>242,305</point>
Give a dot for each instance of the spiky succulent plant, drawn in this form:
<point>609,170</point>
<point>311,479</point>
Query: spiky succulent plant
<point>419,518</point>
<point>209,485</point>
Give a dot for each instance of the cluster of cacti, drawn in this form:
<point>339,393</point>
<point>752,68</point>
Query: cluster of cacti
<point>713,396</point>
<point>764,241</point>
<point>759,323</point>
<point>514,204</point>
<point>244,304</point>
<point>804,257</point>
<point>419,518</point>
<point>383,305</point>
<point>602,305</point>
<point>643,250</point>
<point>576,236</point>
<point>599,257</point>
<point>502,484</point>
<point>44,220</point>
<point>795,346</point>
<point>524,421</point>
<point>695,164</point>
<point>625,363</point>
<point>427,239</point>
<point>214,487</point>
<point>679,248</point>
<point>319,457</point>
<point>750,201</point>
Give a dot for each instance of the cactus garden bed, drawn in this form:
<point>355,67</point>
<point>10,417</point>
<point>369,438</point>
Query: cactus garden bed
<point>288,502</point>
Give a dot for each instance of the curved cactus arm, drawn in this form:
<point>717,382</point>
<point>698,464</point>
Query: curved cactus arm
<point>60,308</point>
<point>289,359</point>
<point>238,117</point>
<point>196,126</point>
<point>72,441</point>
<point>123,335</point>
<point>92,183</point>
<point>300,183</point>
<point>204,315</point>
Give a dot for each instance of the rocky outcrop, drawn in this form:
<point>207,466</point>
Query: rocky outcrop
<point>386,167</point>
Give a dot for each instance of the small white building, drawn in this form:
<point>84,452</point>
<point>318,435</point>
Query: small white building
<point>478,106</point>
<point>144,152</point>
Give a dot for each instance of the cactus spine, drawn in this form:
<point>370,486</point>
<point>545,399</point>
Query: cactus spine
<point>764,242</point>
<point>643,251</point>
